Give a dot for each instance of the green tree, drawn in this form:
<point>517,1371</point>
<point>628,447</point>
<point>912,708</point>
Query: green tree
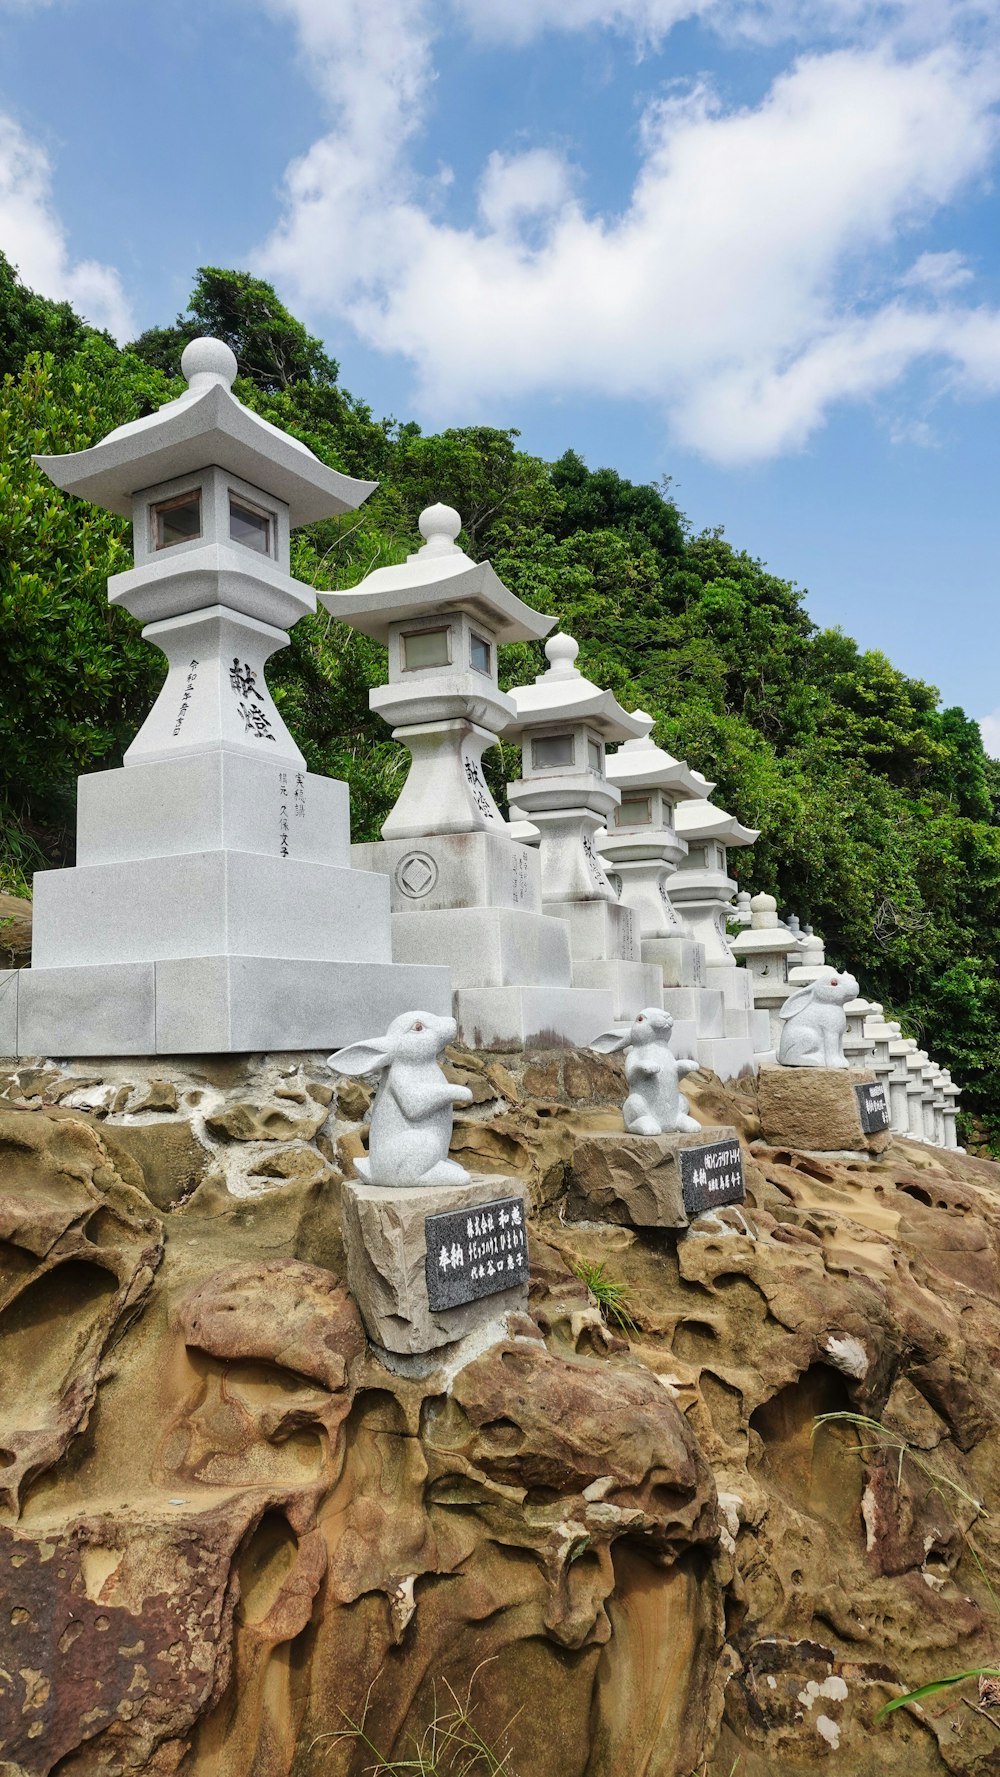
<point>33,323</point>
<point>272,348</point>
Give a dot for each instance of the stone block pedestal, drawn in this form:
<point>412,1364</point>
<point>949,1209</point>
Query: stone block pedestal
<point>471,902</point>
<point>635,1180</point>
<point>394,1259</point>
<point>816,1108</point>
<point>166,939</point>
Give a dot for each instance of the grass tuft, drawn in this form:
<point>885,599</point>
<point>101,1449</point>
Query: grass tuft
<point>612,1298</point>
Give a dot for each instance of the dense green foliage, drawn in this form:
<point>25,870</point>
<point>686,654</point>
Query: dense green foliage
<point>878,809</point>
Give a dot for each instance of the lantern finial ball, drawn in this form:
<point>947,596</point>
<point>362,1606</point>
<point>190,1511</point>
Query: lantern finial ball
<point>439,526</point>
<point>207,361</point>
<point>561,652</point>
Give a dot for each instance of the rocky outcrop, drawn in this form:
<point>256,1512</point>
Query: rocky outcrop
<point>228,1532</point>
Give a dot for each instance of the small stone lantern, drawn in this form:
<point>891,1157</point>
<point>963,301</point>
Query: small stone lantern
<point>952,1094</point>
<point>938,1104</point>
<point>742,914</point>
<point>765,949</point>
<point>563,724</point>
<point>641,843</point>
<point>702,889</point>
<point>881,1034</point>
<point>859,1047</point>
<point>916,1061</point>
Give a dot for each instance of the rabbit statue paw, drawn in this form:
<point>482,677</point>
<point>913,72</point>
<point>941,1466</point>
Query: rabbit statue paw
<point>655,1104</point>
<point>814,1023</point>
<point>413,1110</point>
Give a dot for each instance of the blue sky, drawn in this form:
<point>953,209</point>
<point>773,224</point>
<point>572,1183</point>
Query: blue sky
<point>751,244</point>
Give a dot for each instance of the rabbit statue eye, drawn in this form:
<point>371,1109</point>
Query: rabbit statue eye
<point>640,1019</point>
<point>418,1027</point>
<point>834,980</point>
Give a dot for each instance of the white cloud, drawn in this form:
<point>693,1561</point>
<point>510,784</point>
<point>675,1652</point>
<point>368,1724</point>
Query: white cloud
<point>33,238</point>
<point>937,272</point>
<point>746,286</point>
<point>989,728</point>
<point>517,187</point>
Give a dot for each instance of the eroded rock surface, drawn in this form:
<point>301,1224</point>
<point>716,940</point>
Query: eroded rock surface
<point>227,1531</point>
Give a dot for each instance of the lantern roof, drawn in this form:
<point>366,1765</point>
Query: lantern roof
<point>641,765</point>
<point>205,426</point>
<point>562,694</point>
<point>436,578</point>
<point>701,819</point>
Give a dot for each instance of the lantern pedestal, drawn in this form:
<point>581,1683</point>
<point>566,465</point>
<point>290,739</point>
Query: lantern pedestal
<point>213,908</point>
<point>473,900</point>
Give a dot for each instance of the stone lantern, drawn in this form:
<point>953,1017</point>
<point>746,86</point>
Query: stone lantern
<point>562,725</point>
<point>916,1091</point>
<point>930,1073</point>
<point>881,1033</point>
<point>702,889</point>
<point>212,907</point>
<point>742,914</point>
<point>938,1104</point>
<point>464,891</point>
<point>765,948</point>
<point>811,962</point>
<point>641,849</point>
<point>702,892</point>
<point>952,1094</point>
<point>859,1047</point>
<point>900,1048</point>
<point>641,844</point>
<point>442,616</point>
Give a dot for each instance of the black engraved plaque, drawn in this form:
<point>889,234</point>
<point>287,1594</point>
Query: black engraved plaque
<point>475,1252</point>
<point>872,1107</point>
<point>712,1175</point>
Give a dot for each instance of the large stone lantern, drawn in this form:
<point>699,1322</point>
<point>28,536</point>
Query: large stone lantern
<point>464,892</point>
<point>212,906</point>
<point>563,724</point>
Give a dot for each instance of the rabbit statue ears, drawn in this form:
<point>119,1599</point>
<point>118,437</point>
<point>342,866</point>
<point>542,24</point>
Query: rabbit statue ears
<point>369,1057</point>
<point>653,1017</point>
<point>798,1001</point>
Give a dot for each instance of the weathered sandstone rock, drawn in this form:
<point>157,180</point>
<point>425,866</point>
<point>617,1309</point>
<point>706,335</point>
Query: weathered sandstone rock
<point>228,1529</point>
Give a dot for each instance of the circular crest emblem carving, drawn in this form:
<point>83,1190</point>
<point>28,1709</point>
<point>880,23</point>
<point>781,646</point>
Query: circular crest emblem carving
<point>416,875</point>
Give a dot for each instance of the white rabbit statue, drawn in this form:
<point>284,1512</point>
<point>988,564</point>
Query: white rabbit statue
<point>411,1119</point>
<point>815,1023</point>
<point>655,1104</point>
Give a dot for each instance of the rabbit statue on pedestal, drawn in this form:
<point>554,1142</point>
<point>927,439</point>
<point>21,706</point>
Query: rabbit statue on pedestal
<point>413,1112</point>
<point>655,1104</point>
<point>815,1023</point>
